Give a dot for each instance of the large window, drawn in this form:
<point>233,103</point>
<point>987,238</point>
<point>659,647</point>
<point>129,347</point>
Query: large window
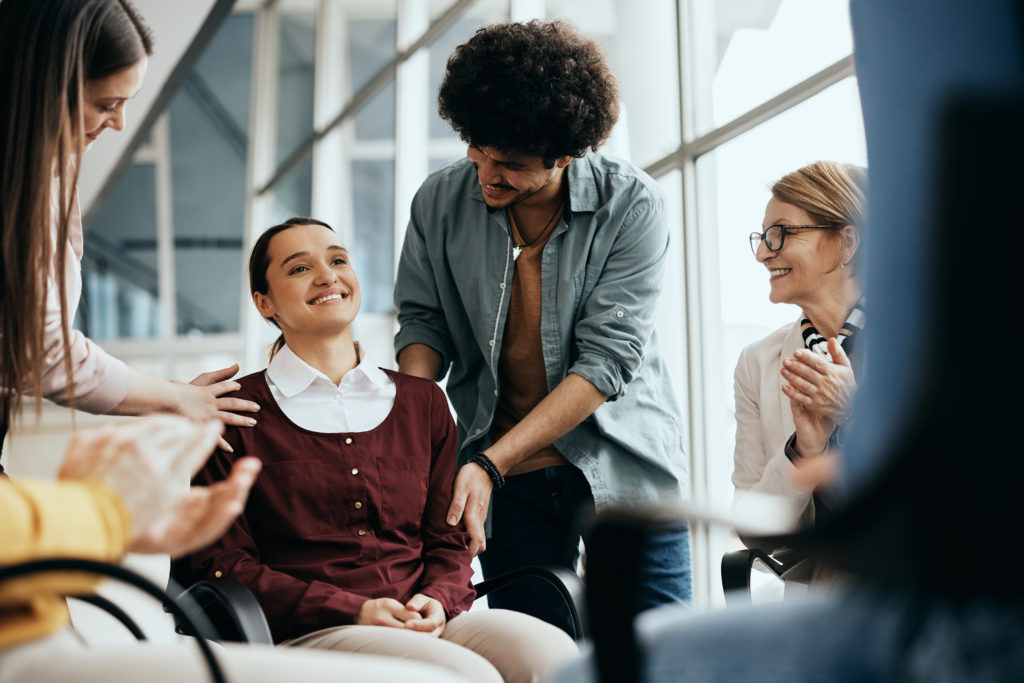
<point>323,107</point>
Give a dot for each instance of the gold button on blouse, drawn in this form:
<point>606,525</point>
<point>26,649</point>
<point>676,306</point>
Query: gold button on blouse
<point>362,532</point>
<point>355,470</point>
<point>348,441</point>
<point>217,574</point>
<point>359,506</point>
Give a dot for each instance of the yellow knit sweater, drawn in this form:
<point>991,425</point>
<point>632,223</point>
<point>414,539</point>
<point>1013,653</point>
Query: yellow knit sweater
<point>53,519</point>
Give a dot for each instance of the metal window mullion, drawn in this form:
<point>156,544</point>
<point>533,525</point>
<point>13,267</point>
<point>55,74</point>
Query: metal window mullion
<point>259,160</point>
<point>164,196</point>
<point>690,63</point>
<point>524,10</point>
<point>801,92</point>
<point>411,116</point>
<point>332,181</point>
<point>356,102</point>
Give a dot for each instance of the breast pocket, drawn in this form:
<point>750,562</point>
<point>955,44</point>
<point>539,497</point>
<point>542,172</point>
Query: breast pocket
<point>403,484</point>
<point>293,500</point>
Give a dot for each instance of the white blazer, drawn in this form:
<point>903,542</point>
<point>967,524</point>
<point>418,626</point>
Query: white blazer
<point>764,420</point>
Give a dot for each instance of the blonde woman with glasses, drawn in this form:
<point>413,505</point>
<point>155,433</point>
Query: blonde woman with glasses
<point>794,387</point>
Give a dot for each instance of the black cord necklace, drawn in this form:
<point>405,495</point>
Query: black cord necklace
<point>517,248</point>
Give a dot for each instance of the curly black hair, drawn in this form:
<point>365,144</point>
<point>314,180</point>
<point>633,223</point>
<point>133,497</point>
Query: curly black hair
<point>536,88</point>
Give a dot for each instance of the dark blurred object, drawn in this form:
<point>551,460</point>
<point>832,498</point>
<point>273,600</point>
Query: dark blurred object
<point>785,564</point>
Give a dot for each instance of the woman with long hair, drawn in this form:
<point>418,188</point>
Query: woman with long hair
<point>67,69</point>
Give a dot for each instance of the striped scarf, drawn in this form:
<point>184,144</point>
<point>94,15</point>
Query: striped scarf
<point>847,335</point>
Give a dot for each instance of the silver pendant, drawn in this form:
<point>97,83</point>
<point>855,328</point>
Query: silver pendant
<point>516,250</point>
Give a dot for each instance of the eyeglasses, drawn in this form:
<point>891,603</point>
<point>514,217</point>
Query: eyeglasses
<point>775,236</point>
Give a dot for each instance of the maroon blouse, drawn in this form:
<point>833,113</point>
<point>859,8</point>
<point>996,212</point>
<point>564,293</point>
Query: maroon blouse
<point>337,519</point>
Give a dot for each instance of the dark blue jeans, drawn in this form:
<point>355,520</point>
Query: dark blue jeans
<point>535,520</point>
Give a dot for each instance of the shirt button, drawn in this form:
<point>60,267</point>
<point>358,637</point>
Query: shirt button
<point>619,314</point>
<point>362,532</point>
<point>491,342</point>
<point>355,470</point>
<point>217,574</point>
<point>358,506</point>
<point>348,441</point>
<point>501,286</point>
<point>479,431</point>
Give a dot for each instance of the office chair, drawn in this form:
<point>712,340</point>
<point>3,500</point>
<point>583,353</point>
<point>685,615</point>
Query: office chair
<point>235,614</point>
<point>738,566</point>
<point>188,618</point>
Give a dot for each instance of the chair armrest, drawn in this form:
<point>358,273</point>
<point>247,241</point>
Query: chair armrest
<point>738,565</point>
<point>566,582</point>
<point>233,610</point>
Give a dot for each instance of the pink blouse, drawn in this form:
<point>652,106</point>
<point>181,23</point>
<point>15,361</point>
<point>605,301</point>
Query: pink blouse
<point>101,381</point>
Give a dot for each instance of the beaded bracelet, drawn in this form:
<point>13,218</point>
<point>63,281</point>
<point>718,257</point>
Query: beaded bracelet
<point>489,468</point>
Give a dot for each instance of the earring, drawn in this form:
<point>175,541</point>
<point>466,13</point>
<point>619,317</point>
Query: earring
<point>842,265</point>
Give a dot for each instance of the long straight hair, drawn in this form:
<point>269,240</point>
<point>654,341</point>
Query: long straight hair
<point>49,50</point>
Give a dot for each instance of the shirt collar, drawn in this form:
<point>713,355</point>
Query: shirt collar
<point>582,188</point>
<point>292,375</point>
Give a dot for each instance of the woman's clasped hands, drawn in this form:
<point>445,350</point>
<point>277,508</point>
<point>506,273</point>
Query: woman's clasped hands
<point>820,392</point>
<point>421,613</point>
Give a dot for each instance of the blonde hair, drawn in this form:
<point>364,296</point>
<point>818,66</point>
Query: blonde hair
<point>829,191</point>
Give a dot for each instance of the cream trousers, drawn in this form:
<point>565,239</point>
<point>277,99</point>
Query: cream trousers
<point>64,657</point>
<point>486,646</point>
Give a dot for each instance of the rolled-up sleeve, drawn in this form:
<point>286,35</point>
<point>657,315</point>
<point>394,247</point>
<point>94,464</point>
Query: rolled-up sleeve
<point>618,316</point>
<point>421,316</point>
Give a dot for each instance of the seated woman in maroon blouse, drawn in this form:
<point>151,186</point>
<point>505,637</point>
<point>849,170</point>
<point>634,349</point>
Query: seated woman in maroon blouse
<point>344,539</point>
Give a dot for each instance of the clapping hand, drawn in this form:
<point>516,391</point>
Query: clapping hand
<point>821,386</point>
<point>148,463</point>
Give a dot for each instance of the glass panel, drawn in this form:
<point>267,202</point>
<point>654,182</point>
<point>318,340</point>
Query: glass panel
<point>649,123</point>
<point>295,87</point>
<point>733,188</point>
<point>119,274</point>
<point>293,195</point>
<point>437,55</point>
<point>295,73</point>
<point>763,47</point>
<point>209,146</point>
<point>374,250</point>
<point>372,45</point>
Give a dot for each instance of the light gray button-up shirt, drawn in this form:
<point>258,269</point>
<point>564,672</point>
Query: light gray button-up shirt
<point>601,272</point>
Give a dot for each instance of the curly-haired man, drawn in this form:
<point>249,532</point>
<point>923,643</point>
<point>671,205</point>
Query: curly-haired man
<point>532,271</point>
